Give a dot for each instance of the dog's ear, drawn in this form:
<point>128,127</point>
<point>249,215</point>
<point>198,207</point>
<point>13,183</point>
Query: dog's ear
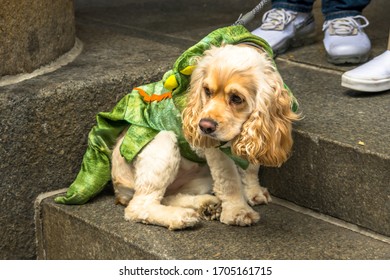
<point>191,112</point>
<point>266,137</point>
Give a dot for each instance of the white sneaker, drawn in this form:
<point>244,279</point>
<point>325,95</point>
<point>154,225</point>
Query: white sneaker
<point>345,40</point>
<point>284,28</point>
<point>372,76</point>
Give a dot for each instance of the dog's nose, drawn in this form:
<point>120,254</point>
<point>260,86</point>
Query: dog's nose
<point>208,126</point>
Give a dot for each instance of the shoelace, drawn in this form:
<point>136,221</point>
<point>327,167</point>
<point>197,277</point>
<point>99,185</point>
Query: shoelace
<point>276,17</point>
<point>346,26</point>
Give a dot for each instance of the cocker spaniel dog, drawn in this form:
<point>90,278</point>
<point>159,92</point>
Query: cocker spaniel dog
<point>236,97</point>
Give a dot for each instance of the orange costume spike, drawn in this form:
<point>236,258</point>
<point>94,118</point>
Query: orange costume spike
<point>153,97</point>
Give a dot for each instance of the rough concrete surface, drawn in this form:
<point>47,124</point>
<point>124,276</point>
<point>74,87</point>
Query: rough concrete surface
<point>98,230</point>
<point>34,33</point>
<point>45,120</point>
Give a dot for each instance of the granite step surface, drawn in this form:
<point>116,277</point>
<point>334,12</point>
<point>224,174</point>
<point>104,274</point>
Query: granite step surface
<point>98,230</point>
<point>340,164</point>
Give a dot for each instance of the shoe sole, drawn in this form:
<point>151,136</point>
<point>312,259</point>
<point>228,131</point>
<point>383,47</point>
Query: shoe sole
<point>365,86</point>
<point>347,59</point>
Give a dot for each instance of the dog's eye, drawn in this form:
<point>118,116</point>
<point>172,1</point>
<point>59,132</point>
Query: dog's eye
<point>207,92</point>
<point>235,99</point>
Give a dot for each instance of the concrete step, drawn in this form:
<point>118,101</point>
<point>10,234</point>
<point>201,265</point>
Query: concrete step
<point>45,120</point>
<point>98,230</point>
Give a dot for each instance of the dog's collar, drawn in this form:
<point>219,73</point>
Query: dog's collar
<point>225,144</point>
<point>251,44</point>
<point>225,147</point>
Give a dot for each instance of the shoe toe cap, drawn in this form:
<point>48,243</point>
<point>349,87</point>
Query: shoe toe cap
<point>346,51</point>
<point>347,45</point>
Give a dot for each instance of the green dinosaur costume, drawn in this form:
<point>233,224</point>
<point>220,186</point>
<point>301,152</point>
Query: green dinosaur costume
<point>147,110</point>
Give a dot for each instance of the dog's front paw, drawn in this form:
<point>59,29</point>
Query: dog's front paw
<point>259,195</point>
<point>185,219</point>
<point>241,215</point>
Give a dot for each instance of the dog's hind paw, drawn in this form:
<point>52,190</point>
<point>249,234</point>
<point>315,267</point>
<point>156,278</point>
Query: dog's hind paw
<point>256,196</point>
<point>211,211</point>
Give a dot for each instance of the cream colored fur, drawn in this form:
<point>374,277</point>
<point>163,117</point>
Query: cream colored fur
<point>239,89</point>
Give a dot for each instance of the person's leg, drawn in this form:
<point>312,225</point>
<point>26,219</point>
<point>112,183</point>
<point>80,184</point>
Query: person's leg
<point>288,23</point>
<point>372,76</point>
<point>301,6</point>
<point>345,40</point>
<point>332,9</point>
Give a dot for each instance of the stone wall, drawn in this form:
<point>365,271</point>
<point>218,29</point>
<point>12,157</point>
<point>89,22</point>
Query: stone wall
<point>34,33</point>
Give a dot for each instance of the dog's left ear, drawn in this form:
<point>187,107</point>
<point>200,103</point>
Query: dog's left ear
<point>266,137</point>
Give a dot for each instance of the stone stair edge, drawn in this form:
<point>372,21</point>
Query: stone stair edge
<point>316,137</point>
<point>43,201</point>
